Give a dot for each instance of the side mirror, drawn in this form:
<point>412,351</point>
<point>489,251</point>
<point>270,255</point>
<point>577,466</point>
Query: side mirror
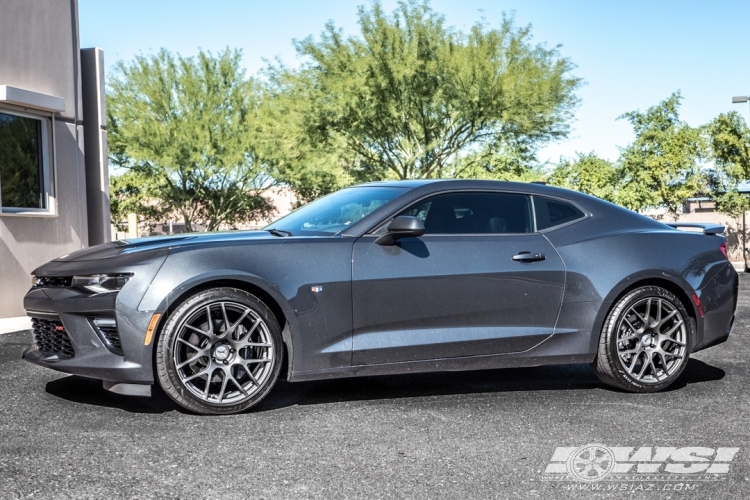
<point>401,227</point>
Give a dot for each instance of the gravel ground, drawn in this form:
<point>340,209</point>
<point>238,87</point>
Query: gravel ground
<point>487,434</point>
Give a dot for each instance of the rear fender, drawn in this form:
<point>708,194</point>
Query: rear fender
<point>671,281</point>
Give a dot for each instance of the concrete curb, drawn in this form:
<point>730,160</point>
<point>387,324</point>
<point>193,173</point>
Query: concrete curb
<point>11,325</point>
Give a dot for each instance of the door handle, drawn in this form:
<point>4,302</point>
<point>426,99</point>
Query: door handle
<point>528,257</point>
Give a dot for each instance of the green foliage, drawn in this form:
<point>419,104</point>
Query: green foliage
<point>412,98</point>
<point>662,166</point>
<point>407,97</point>
<point>729,140</point>
<point>133,192</point>
<point>185,125</point>
<point>502,166</point>
<point>310,169</point>
<point>588,174</point>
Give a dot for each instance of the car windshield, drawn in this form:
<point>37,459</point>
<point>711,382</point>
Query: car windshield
<point>335,212</point>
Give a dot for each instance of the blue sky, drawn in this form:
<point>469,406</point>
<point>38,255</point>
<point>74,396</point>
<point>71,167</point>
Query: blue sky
<point>632,54</point>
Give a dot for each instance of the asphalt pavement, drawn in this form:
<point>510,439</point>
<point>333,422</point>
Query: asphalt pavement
<point>484,434</point>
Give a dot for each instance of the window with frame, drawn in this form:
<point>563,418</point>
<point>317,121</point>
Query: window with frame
<point>551,212</point>
<point>475,213</point>
<point>24,171</point>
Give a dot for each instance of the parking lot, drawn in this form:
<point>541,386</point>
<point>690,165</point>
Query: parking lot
<point>488,434</point>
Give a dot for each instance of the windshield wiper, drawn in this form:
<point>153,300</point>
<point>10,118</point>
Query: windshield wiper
<point>280,233</point>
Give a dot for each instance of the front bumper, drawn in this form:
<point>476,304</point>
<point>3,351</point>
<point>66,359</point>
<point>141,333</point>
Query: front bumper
<point>70,335</point>
<point>80,349</point>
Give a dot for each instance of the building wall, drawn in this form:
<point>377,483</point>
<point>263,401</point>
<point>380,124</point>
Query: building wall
<point>733,232</point>
<point>41,53</point>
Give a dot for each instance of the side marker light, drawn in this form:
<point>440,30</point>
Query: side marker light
<point>698,304</point>
<point>151,329</point>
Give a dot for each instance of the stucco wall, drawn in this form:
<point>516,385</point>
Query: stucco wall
<point>733,231</point>
<point>40,52</point>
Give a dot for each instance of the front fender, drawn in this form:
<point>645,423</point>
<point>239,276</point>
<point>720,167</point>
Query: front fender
<point>161,298</point>
<point>309,280</point>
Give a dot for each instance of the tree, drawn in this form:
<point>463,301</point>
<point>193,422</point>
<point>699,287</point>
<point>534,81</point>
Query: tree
<point>588,174</point>
<point>295,158</point>
<point>661,168</point>
<point>413,98</point>
<point>729,141</point>
<point>132,192</point>
<point>186,126</point>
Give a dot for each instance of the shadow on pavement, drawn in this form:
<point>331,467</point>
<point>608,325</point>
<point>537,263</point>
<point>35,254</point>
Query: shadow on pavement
<point>90,392</point>
<point>543,378</point>
<point>696,372</point>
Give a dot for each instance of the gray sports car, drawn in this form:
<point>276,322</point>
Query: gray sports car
<point>384,278</point>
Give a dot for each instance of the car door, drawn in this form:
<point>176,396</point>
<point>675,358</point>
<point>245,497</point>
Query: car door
<point>480,281</point>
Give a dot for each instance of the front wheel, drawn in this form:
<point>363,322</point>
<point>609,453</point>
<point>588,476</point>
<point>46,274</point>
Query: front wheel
<point>220,352</point>
<point>646,341</point>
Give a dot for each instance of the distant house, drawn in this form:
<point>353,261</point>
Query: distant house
<point>54,195</point>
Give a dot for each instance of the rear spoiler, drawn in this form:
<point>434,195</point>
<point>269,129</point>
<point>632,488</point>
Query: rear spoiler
<point>710,229</point>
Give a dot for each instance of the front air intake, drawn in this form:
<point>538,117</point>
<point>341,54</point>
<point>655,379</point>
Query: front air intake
<point>51,338</point>
<point>106,328</point>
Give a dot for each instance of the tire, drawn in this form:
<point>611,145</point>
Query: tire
<point>225,365</point>
<point>646,341</point>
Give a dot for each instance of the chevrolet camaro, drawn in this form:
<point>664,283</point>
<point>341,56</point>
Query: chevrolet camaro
<point>386,278</point>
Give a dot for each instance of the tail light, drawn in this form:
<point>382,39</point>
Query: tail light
<point>723,249</point>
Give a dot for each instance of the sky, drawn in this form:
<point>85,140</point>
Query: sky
<point>631,54</point>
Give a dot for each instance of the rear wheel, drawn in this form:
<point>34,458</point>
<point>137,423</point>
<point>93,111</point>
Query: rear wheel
<point>646,341</point>
<point>220,352</point>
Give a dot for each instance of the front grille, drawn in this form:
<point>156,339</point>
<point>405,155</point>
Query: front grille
<point>106,328</point>
<point>52,281</point>
<point>50,338</point>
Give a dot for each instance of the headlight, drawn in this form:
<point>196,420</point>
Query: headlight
<point>101,283</point>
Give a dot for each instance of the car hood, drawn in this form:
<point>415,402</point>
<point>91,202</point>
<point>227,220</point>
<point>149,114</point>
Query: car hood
<point>141,245</point>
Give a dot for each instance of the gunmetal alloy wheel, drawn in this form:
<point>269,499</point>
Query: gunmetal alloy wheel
<point>646,341</point>
<point>220,352</point>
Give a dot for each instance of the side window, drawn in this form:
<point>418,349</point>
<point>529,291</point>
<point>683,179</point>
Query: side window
<point>551,212</point>
<point>474,213</point>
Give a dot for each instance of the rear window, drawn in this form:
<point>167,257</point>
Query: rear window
<point>551,212</point>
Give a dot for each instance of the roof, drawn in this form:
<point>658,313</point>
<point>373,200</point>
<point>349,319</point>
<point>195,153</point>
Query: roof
<point>404,184</point>
<point>530,187</point>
